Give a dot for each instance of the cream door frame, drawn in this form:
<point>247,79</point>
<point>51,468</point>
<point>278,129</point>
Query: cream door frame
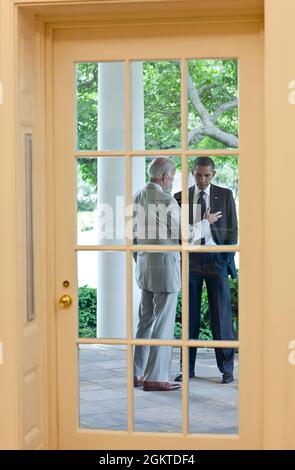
<point>249,50</point>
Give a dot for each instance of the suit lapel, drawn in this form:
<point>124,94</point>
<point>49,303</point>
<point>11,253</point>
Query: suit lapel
<point>214,208</point>
<point>213,198</point>
<point>191,193</point>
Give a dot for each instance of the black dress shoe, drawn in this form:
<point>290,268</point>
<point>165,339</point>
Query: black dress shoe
<point>178,378</point>
<point>227,378</point>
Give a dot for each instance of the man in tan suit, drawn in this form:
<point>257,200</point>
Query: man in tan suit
<point>157,222</point>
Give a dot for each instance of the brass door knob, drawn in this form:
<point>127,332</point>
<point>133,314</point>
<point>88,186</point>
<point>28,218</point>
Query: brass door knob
<point>65,301</point>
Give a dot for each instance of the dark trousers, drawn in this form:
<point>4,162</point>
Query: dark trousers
<point>211,268</point>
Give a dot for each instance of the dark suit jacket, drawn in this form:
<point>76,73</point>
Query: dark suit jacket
<point>225,230</point>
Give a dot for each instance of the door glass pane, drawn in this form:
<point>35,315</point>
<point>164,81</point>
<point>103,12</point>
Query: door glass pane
<point>213,298</point>
<point>101,201</point>
<point>101,294</point>
<point>100,121</point>
<point>213,186</point>
<point>213,92</point>
<point>155,411</point>
<point>156,105</point>
<point>218,177</point>
<point>213,406</point>
<point>156,216</point>
<point>103,387</point>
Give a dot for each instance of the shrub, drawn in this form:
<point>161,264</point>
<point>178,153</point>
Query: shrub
<point>87,312</point>
<point>88,319</point>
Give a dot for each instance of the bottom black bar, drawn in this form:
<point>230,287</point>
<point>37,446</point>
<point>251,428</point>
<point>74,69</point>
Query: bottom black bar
<point>132,459</point>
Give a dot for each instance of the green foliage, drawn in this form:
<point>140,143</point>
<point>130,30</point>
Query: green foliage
<point>87,106</point>
<point>178,326</point>
<point>87,312</point>
<point>162,104</point>
<point>234,292</point>
<point>215,79</point>
<point>86,184</point>
<point>205,327</point>
<point>87,171</point>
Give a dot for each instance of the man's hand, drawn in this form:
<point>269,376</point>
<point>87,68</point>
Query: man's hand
<point>212,218</point>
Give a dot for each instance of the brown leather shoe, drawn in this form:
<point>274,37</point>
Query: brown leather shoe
<point>138,381</point>
<point>160,386</point>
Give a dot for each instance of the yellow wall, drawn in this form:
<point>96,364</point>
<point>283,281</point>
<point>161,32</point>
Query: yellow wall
<point>279,320</point>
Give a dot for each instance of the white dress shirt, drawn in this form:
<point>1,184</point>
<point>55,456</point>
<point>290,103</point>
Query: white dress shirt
<point>208,239</point>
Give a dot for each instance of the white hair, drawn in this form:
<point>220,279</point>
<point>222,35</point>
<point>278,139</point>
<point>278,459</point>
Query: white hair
<point>160,166</point>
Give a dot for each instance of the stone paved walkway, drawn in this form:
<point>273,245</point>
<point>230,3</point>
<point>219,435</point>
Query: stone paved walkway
<point>213,407</point>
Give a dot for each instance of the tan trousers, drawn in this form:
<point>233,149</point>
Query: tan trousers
<point>156,321</point>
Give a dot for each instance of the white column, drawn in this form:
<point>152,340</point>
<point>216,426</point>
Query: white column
<point>111,288</point>
<point>138,163</point>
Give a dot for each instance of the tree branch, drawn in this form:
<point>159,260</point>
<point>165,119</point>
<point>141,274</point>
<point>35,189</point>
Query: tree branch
<point>196,101</point>
<point>195,135</point>
<point>229,140</point>
<point>209,129</point>
<point>224,107</point>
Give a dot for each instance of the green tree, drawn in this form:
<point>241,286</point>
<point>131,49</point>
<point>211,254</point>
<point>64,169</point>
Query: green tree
<point>212,105</point>
<point>162,104</point>
<point>87,106</point>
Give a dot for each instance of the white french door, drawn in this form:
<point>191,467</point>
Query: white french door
<point>103,141</point>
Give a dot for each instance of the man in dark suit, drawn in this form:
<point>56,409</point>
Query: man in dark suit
<point>213,268</point>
